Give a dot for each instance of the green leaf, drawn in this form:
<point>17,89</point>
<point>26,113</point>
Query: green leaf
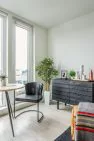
<point>46,70</point>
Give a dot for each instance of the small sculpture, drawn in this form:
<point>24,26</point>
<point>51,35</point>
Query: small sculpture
<point>78,75</point>
<point>82,72</point>
<point>91,75</point>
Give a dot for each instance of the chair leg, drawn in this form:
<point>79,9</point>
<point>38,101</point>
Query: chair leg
<point>39,119</point>
<point>38,112</point>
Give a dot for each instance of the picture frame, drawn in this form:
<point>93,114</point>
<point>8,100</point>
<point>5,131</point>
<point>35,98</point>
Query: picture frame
<point>63,73</point>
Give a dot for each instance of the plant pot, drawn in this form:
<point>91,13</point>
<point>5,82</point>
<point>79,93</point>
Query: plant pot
<point>47,97</point>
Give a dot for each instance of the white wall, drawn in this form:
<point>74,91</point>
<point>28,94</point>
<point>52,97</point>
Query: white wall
<point>41,45</point>
<point>72,44</point>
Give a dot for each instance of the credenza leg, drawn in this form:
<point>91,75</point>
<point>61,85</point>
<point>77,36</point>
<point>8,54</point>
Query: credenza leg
<point>57,104</point>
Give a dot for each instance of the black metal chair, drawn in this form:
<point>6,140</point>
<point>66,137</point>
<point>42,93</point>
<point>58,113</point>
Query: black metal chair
<point>33,94</point>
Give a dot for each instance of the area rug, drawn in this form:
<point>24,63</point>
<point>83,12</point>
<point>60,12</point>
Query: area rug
<point>66,136</point>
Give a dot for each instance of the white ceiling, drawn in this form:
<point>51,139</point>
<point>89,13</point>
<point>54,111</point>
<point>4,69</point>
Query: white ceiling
<point>49,13</point>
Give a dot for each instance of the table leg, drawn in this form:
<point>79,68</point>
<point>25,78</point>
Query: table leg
<point>9,111</point>
<point>10,107</point>
<point>14,103</point>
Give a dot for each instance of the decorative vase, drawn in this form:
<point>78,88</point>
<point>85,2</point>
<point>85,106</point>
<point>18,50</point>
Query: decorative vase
<point>91,75</point>
<point>47,97</point>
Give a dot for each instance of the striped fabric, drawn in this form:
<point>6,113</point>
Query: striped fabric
<point>85,122</point>
<point>73,120</point>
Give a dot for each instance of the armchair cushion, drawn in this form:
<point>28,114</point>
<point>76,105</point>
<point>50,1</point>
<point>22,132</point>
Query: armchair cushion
<point>28,98</point>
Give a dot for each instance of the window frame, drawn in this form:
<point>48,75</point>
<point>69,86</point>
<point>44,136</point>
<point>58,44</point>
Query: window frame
<point>4,54</point>
<point>30,50</point>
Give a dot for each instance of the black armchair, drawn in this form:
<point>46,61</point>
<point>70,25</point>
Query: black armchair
<point>33,94</point>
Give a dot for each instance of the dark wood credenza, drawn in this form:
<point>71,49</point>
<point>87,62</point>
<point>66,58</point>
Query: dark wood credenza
<point>72,91</point>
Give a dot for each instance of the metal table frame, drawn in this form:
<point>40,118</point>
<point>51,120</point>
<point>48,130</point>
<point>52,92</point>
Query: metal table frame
<point>5,89</point>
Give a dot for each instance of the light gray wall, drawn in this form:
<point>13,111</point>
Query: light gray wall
<point>41,45</point>
<point>72,44</point>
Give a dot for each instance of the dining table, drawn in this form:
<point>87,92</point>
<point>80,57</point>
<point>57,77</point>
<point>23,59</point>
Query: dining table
<point>7,90</point>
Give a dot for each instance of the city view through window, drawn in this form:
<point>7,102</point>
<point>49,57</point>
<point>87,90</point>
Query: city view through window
<point>21,55</point>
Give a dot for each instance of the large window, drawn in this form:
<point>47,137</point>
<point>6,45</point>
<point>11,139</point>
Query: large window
<point>1,102</point>
<point>18,57</point>
<point>21,55</point>
<point>3,59</point>
<point>0,42</point>
<point>23,52</point>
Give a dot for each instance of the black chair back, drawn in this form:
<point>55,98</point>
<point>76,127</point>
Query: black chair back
<point>34,88</point>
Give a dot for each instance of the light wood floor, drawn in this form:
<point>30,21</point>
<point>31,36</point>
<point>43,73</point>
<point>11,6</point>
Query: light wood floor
<point>27,128</point>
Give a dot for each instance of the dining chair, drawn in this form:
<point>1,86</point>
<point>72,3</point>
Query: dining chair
<point>33,93</point>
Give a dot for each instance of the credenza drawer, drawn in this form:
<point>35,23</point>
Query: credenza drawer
<point>80,92</point>
<point>72,91</point>
<point>80,88</point>
<point>60,89</point>
<point>81,83</point>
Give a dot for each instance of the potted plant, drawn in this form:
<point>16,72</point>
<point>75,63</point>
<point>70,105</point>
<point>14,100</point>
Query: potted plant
<point>46,71</point>
<point>72,74</point>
